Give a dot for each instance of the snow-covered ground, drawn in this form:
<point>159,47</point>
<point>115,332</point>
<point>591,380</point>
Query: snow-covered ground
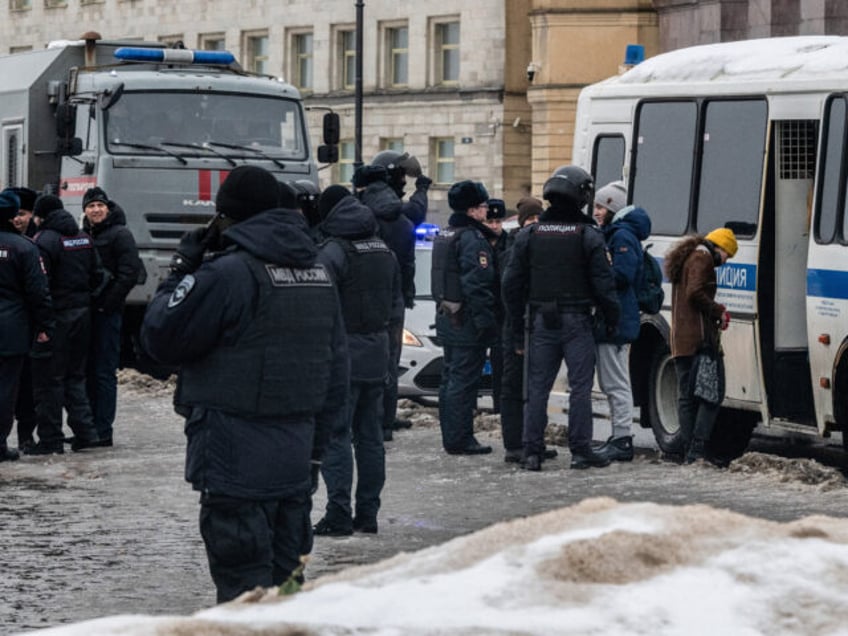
<point>598,567</point>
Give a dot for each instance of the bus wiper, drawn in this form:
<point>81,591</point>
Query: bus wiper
<point>177,144</point>
<point>149,147</point>
<point>277,162</point>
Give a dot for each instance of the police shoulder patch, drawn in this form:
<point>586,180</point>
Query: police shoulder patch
<point>182,291</point>
<point>483,259</point>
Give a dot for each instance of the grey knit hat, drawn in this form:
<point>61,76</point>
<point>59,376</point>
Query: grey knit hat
<point>613,196</point>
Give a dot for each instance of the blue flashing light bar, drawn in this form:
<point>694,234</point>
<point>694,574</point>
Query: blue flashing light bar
<point>426,231</point>
<point>634,54</point>
<point>179,56</point>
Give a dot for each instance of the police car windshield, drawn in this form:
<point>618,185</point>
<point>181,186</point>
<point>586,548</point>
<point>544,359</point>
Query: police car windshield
<point>255,125</point>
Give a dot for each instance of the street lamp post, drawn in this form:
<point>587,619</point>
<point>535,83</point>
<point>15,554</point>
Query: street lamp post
<point>357,159</point>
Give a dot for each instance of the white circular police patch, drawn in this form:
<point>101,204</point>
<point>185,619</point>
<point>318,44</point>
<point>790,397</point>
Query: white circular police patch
<point>182,290</point>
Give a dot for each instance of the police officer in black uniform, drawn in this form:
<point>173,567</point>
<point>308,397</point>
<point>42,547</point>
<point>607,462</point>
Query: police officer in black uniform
<point>500,242</point>
<point>26,312</point>
<point>561,268</point>
<point>368,279</point>
<point>463,281</point>
<point>373,189</point>
<point>73,271</point>
<point>257,330</point>
<point>399,166</point>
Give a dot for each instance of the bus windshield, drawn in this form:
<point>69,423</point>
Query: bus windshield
<point>246,125</point>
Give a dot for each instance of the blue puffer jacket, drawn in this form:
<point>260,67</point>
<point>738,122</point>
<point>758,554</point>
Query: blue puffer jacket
<point>630,226</point>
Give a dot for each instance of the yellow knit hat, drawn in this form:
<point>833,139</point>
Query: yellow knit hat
<point>725,239</point>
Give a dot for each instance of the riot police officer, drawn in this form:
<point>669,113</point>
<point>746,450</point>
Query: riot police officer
<point>463,281</point>
<point>26,312</point>
<point>399,166</point>
<point>368,279</point>
<point>257,329</point>
<point>561,268</point>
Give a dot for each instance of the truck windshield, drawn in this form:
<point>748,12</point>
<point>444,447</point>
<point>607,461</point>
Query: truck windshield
<point>251,124</point>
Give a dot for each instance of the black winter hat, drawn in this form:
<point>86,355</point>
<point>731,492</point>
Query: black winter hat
<point>45,204</point>
<point>329,198</point>
<point>467,194</point>
<point>10,202</point>
<point>366,175</point>
<point>94,194</point>
<point>246,191</point>
<point>27,197</point>
<point>497,209</point>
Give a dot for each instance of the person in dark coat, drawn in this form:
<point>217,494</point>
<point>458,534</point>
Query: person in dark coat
<point>500,242</point>
<point>624,230</point>
<point>26,313</point>
<point>256,328</point>
<point>463,284</point>
<point>74,272</point>
<point>399,166</point>
<point>25,405</point>
<point>106,222</point>
<point>368,279</point>
<point>373,189</point>
<point>559,266</point>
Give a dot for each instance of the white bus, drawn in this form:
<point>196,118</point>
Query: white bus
<point>753,136</point>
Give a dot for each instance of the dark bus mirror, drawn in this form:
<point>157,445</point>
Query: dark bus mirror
<point>332,129</point>
<point>111,96</point>
<point>66,120</point>
<point>328,154</point>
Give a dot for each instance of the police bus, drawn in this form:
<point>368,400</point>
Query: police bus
<point>752,136</point>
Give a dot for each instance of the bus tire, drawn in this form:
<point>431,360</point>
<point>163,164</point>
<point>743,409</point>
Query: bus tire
<point>662,402</point>
<point>731,434</point>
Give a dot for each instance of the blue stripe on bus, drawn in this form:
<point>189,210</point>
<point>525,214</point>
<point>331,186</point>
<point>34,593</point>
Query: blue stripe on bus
<point>827,283</point>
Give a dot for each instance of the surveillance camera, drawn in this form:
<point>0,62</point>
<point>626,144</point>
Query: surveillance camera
<point>531,72</point>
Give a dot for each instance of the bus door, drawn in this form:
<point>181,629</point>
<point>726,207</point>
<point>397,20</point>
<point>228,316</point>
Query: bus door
<point>827,271</point>
<point>782,272</point>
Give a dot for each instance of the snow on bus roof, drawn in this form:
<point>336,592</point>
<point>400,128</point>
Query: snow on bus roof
<point>761,59</point>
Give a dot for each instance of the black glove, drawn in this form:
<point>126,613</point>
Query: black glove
<point>315,476</point>
<point>423,183</point>
<point>189,255</point>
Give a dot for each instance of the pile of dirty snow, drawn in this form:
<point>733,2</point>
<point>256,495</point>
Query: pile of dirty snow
<point>787,470</point>
<point>598,567</point>
<point>132,381</point>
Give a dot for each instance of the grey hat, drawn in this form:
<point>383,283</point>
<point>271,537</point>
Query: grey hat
<point>613,196</point>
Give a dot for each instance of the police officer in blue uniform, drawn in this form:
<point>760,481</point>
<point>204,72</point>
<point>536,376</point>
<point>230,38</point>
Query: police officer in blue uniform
<point>561,268</point>
<point>257,330</point>
<point>26,312</point>
<point>463,281</point>
<point>73,271</point>
<point>368,279</point>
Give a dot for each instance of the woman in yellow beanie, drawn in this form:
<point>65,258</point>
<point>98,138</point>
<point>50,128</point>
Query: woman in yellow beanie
<point>696,319</point>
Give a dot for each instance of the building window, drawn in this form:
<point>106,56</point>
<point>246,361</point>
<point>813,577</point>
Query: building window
<point>83,2</point>
<point>55,4</point>
<point>19,49</point>
<point>443,159</point>
<point>212,42</point>
<point>391,143</point>
<point>301,47</point>
<point>397,56</point>
<point>346,77</point>
<point>347,155</point>
<point>256,52</point>
<point>20,5</point>
<point>173,41</point>
<point>446,52</point>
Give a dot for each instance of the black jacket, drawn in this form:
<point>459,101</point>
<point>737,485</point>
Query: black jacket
<point>232,455</point>
<point>119,256</point>
<point>70,260</point>
<point>396,230</point>
<point>25,305</point>
<point>350,220</point>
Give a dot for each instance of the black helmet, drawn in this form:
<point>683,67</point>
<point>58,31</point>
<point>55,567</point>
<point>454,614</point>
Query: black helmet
<point>570,185</point>
<point>390,160</point>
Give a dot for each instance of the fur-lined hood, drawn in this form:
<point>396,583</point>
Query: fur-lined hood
<point>680,251</point>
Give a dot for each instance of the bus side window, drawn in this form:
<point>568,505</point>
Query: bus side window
<point>608,159</point>
<point>830,199</point>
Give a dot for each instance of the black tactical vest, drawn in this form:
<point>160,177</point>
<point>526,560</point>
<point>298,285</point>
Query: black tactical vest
<point>558,266</point>
<point>445,283</point>
<point>366,290</point>
<point>72,279</point>
<point>281,364</point>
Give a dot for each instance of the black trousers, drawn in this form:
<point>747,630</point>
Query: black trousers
<point>10,373</point>
<point>254,543</point>
<point>25,405</point>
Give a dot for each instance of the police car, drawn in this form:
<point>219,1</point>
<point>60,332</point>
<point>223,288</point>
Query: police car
<point>420,372</point>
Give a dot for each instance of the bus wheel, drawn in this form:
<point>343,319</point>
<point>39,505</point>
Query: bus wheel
<point>662,402</point>
<point>732,433</point>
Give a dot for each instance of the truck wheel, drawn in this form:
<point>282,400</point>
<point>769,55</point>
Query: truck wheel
<point>732,433</point>
<point>662,402</point>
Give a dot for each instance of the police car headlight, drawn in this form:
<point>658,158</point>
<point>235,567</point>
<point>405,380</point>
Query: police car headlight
<point>410,339</point>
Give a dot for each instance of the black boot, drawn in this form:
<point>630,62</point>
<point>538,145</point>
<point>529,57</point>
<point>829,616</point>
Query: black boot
<point>7,454</point>
<point>587,458</point>
<point>618,449</point>
<point>697,450</point>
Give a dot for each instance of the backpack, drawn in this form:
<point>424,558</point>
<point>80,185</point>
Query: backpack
<point>649,292</point>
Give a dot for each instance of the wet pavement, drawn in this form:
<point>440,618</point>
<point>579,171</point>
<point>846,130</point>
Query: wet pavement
<point>114,531</point>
